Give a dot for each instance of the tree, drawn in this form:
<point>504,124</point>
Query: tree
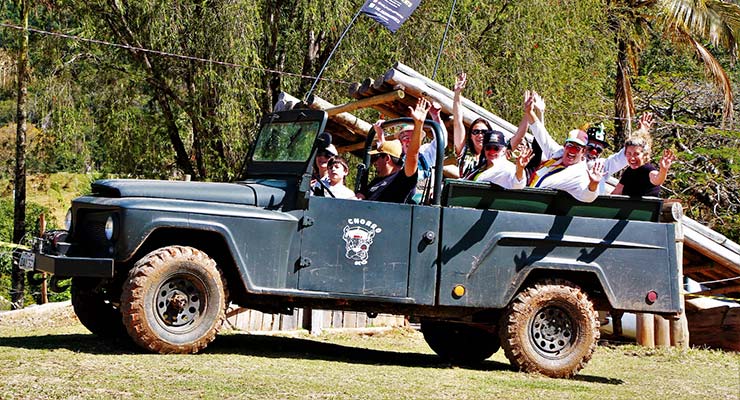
<point>19,213</point>
<point>682,23</point>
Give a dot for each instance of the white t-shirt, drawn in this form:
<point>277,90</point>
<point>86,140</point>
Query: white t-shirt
<point>502,173</point>
<point>572,179</point>
<point>341,192</point>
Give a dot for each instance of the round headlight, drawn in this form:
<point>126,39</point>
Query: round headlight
<point>110,227</point>
<point>68,220</point>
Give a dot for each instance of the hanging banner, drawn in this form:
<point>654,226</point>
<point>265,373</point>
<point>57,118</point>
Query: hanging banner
<point>390,13</point>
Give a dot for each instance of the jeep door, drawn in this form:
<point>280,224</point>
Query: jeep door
<point>370,249</point>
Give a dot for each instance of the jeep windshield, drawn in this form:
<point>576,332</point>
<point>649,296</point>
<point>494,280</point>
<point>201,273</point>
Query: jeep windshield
<point>285,143</point>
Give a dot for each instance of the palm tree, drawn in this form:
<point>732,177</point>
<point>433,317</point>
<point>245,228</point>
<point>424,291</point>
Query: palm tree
<point>685,23</point>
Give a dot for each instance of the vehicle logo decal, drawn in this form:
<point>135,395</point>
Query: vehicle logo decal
<point>358,235</point>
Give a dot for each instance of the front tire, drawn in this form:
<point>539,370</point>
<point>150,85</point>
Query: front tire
<point>550,328</point>
<point>94,306</point>
<point>174,300</point>
<point>459,343</point>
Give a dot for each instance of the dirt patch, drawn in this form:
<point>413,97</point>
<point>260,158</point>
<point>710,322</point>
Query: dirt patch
<point>45,315</point>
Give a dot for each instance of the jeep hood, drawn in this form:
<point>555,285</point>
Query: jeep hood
<point>268,193</point>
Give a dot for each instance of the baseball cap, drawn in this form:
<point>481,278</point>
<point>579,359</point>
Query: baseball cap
<point>494,137</point>
<point>577,136</point>
<point>390,147</point>
<point>597,133</point>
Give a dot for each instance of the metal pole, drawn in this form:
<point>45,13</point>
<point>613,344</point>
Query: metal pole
<point>442,45</point>
<point>331,54</point>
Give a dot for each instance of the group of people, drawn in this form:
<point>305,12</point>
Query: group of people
<point>484,154</point>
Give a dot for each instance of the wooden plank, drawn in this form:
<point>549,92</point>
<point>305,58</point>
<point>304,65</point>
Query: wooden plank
<point>285,102</point>
<point>352,123</point>
<point>337,320</point>
<point>502,124</point>
<point>365,102</point>
<point>712,235</point>
<point>717,253</point>
<point>350,319</point>
<point>718,291</point>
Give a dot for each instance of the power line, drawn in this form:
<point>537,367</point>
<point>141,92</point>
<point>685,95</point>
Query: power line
<point>291,74</point>
<point>166,54</point>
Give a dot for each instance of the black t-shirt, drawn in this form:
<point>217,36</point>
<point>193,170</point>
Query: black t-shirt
<point>394,188</point>
<point>637,183</point>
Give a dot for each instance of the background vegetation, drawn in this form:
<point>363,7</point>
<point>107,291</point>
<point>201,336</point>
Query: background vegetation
<point>98,108</point>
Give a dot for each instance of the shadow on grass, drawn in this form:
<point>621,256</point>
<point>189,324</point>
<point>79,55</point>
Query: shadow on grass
<point>269,347</point>
<point>74,342</point>
<point>289,347</point>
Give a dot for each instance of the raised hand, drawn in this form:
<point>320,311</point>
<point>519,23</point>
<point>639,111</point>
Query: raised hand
<point>434,110</point>
<point>460,82</point>
<point>645,122</point>
<point>379,134</point>
<point>529,107</point>
<point>596,172</point>
<point>667,160</point>
<point>539,102</point>
<point>419,113</point>
<point>523,154</point>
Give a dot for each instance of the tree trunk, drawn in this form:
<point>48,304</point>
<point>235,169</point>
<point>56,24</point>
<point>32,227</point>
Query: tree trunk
<point>19,211</point>
<point>624,108</point>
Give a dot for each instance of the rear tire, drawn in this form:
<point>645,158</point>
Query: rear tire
<point>459,343</point>
<point>550,328</point>
<point>94,306</point>
<point>174,300</point>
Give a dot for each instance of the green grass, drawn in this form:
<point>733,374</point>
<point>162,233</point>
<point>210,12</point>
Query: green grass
<point>63,361</point>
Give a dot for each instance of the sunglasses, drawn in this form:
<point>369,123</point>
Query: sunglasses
<point>478,131</point>
<point>573,146</point>
<point>591,148</point>
<point>376,157</point>
<point>493,147</point>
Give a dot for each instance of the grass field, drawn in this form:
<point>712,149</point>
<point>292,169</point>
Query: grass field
<point>50,356</point>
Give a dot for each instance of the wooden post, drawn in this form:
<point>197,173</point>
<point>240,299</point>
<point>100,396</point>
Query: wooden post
<point>44,290</point>
<point>674,332</point>
<point>680,327</point>
<point>680,332</point>
<point>662,332</point>
<point>645,330</point>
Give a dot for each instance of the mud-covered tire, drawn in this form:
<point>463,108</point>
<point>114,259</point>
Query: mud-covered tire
<point>550,328</point>
<point>97,308</point>
<point>459,343</point>
<point>174,300</point>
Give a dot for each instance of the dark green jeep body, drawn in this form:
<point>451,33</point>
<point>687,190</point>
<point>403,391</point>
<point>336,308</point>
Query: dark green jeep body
<point>463,265</point>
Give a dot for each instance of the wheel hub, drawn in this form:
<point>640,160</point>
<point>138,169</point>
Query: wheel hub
<point>552,331</point>
<point>178,302</point>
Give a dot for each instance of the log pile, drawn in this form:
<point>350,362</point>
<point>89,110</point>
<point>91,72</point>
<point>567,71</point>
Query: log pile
<point>391,95</point>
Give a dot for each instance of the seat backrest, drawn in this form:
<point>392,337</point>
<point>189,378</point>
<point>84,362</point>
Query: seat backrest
<point>486,195</point>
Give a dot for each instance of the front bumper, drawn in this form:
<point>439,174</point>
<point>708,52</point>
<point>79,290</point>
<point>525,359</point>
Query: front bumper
<point>64,266</point>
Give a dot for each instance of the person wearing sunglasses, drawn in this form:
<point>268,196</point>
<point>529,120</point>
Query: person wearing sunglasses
<point>396,177</point>
<point>564,167</point>
<point>468,147</point>
<point>497,169</point>
<point>321,171</point>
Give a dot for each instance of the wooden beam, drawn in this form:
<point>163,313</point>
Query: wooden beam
<point>697,268</point>
<point>722,290</point>
<point>503,124</point>
<point>366,102</point>
<point>355,125</point>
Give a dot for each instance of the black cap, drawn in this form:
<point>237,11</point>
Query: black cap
<point>494,137</point>
<point>597,133</point>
